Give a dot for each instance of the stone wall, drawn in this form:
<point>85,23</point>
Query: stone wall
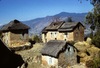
<point>68,57</point>
<point>49,61</point>
<point>62,61</point>
<point>6,38</point>
<point>15,37</point>
<point>79,33</point>
<point>19,35</point>
<point>76,35</point>
<point>55,35</point>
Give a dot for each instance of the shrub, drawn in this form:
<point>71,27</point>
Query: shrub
<point>90,64</point>
<point>97,62</point>
<point>96,39</point>
<point>35,38</point>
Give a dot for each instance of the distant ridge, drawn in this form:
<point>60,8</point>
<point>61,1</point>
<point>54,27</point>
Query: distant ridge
<point>39,23</point>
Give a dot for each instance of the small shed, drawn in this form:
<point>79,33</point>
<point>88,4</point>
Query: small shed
<point>59,53</point>
<point>15,33</point>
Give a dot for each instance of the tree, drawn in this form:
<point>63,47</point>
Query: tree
<point>93,2</point>
<point>89,18</point>
<point>93,17</point>
<point>96,39</point>
<point>69,19</point>
<point>96,12</point>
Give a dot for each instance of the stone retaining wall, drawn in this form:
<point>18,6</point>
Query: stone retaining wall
<point>24,47</point>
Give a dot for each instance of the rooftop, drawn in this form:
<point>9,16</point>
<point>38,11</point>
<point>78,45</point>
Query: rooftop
<point>53,47</point>
<point>14,25</point>
<point>62,26</point>
<point>54,25</point>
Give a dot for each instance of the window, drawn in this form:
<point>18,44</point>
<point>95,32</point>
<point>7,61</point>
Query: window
<point>55,38</point>
<point>65,36</point>
<point>51,34</point>
<point>68,48</point>
<point>65,33</point>
<point>50,60</point>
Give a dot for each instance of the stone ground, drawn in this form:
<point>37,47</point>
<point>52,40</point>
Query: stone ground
<point>78,66</point>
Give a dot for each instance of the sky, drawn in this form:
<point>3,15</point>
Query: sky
<point>24,10</point>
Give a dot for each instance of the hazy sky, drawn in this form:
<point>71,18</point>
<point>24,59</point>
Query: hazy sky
<point>29,9</point>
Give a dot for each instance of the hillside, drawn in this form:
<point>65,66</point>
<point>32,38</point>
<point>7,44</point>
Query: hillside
<point>39,23</point>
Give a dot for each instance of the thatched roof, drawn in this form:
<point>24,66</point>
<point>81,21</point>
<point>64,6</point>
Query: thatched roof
<point>14,25</point>
<point>53,47</point>
<point>62,26</point>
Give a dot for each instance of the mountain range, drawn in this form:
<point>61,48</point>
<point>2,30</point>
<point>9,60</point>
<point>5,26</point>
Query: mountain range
<point>39,23</point>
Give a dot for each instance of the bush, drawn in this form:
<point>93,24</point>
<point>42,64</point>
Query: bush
<point>90,64</point>
<point>96,39</point>
<point>97,62</point>
<point>35,38</point>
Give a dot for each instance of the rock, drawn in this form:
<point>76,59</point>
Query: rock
<point>90,64</point>
<point>87,51</point>
<point>89,41</point>
<point>78,66</point>
<point>82,54</point>
<point>94,52</point>
<point>82,46</point>
<point>86,59</point>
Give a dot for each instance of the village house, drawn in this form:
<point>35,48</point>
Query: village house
<point>58,53</point>
<point>15,33</point>
<point>68,31</point>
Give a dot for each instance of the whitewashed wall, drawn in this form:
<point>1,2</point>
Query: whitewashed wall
<point>50,61</point>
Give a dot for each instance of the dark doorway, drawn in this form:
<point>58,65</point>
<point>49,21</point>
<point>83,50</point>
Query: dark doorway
<point>78,59</point>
